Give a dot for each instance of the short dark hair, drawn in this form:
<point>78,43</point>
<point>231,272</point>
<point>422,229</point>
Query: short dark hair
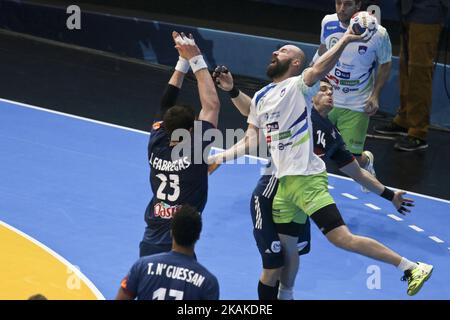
<point>186,226</point>
<point>178,117</point>
<point>325,80</point>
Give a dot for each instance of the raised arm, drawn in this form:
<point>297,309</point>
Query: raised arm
<point>207,91</point>
<point>224,80</point>
<point>329,59</point>
<point>170,96</point>
<point>382,76</point>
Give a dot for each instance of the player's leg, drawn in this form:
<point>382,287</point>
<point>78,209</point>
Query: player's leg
<point>353,127</point>
<point>289,221</point>
<point>329,220</point>
<point>266,238</point>
<point>312,195</point>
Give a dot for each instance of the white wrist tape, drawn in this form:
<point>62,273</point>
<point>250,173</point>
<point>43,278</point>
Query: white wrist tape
<point>198,63</point>
<point>183,41</point>
<point>182,65</point>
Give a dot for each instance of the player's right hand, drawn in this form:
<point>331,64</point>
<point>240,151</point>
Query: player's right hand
<point>186,46</point>
<point>352,37</point>
<point>223,78</point>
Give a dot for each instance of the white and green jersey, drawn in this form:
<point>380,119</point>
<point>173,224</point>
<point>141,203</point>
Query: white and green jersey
<point>283,112</point>
<point>353,76</point>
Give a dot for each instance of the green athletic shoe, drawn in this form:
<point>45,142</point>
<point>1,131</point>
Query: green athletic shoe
<point>417,277</point>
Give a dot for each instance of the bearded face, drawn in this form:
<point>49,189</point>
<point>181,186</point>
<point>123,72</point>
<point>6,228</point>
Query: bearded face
<point>277,68</point>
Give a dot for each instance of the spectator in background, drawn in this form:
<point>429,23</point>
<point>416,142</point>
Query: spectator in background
<point>422,22</point>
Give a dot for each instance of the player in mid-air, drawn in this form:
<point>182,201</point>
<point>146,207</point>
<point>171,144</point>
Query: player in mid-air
<point>282,111</point>
<point>174,275</point>
<point>329,144</point>
<point>175,177</point>
<point>357,78</point>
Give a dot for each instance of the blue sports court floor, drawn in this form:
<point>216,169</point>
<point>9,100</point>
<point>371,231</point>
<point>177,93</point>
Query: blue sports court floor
<point>80,188</point>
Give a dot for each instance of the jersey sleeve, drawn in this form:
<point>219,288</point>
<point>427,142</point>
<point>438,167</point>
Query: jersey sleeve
<point>384,48</point>
<point>252,118</point>
<point>341,156</point>
<point>307,91</point>
<point>130,282</point>
<point>168,100</point>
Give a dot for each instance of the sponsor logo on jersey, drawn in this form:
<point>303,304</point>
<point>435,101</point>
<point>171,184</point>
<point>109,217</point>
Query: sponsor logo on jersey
<point>339,64</point>
<point>273,126</point>
<point>282,146</point>
<point>333,78</point>
<point>272,116</point>
<point>165,211</point>
<point>349,83</point>
<point>342,74</point>
<point>347,90</point>
<point>333,41</point>
<point>282,92</point>
<point>362,50</point>
<point>278,136</point>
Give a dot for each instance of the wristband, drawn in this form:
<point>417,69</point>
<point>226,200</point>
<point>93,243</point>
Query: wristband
<point>197,63</point>
<point>182,65</point>
<point>234,93</point>
<point>388,194</point>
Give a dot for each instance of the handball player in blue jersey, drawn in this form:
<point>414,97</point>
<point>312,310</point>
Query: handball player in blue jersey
<point>178,175</point>
<point>174,275</point>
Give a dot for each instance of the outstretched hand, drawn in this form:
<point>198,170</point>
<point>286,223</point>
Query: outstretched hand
<point>223,78</point>
<point>186,46</point>
<point>400,203</point>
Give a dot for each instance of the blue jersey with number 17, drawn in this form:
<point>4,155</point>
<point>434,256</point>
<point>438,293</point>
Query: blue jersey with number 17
<point>170,276</point>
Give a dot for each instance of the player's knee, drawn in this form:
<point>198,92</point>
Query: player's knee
<point>341,237</point>
<point>270,276</point>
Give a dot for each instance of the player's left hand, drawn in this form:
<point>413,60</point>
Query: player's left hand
<point>372,106</point>
<point>400,203</point>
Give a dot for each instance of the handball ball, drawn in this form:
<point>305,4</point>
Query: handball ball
<point>361,21</point>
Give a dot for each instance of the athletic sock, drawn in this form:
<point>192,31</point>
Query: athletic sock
<point>266,292</point>
<point>405,265</point>
<point>285,293</point>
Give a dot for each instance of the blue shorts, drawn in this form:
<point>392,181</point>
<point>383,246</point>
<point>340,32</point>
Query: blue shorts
<point>264,229</point>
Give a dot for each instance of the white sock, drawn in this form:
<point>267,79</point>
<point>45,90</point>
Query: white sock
<point>405,264</point>
<point>285,293</point>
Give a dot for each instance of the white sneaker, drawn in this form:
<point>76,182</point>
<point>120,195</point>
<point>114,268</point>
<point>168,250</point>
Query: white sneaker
<point>369,167</point>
